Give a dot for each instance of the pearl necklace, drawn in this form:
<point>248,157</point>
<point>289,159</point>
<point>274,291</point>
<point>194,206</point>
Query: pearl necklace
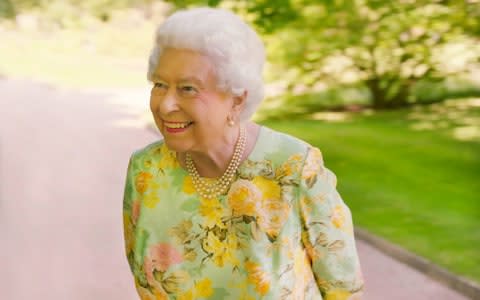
<point>208,188</point>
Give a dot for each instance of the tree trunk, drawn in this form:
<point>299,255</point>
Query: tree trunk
<point>379,94</point>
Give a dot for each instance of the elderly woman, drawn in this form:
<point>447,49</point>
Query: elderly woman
<point>223,208</point>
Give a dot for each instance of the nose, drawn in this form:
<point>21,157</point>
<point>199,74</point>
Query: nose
<point>164,103</point>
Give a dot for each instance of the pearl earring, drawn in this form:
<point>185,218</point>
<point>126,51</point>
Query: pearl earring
<point>230,121</point>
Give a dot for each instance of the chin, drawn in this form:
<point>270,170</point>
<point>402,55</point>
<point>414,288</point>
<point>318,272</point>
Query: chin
<point>176,145</point>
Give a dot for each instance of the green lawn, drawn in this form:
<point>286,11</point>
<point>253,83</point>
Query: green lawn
<point>411,176</point>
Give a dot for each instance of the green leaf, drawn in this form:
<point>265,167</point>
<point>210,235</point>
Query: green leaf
<point>140,245</point>
<point>219,294</point>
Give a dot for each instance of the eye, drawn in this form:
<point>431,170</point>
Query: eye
<point>160,85</point>
<point>188,90</point>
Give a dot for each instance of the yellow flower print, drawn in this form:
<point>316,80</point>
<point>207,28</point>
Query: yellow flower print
<point>181,231</point>
<point>241,286</point>
<point>160,295</point>
<point>147,163</point>
<point>306,205</point>
<point>173,283</point>
<point>188,187</point>
<point>148,187</point>
<point>215,247</point>
<point>142,181</point>
<point>302,265</point>
<point>230,249</point>
<point>313,166</point>
<point>303,273</point>
<point>313,253</point>
<point>189,254</point>
<point>258,277</point>
<point>243,198</point>
<point>270,189</point>
<point>168,158</point>
<point>338,216</point>
<point>246,296</point>
<point>146,294</point>
<point>221,251</point>
<point>337,295</point>
<point>213,211</point>
<point>150,198</point>
<point>203,288</point>
<point>283,171</point>
<point>188,295</point>
<point>290,167</point>
<point>298,262</point>
<point>272,217</point>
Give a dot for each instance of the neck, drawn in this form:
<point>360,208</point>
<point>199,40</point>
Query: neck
<point>214,161</point>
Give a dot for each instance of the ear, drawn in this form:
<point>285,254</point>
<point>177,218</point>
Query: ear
<point>239,103</point>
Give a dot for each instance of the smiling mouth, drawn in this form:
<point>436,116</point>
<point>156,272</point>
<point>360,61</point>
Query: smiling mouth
<point>177,125</point>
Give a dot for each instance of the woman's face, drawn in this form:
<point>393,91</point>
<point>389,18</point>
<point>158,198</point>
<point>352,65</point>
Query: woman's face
<point>188,108</point>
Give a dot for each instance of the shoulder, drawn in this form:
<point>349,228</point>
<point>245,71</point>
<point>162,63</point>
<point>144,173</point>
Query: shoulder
<point>148,150</point>
<point>277,156</point>
<point>152,153</point>
<point>283,145</point>
<point>156,154</point>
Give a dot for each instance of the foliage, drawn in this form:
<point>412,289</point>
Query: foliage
<point>62,10</point>
<point>389,46</point>
<point>188,3</point>
<point>6,9</point>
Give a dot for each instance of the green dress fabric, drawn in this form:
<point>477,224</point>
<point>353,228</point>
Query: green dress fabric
<point>282,231</point>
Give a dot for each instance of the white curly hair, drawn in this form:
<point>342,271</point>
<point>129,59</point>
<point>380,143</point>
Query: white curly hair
<point>235,49</point>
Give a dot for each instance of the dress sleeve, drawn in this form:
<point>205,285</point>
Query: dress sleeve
<point>130,211</point>
<point>327,231</point>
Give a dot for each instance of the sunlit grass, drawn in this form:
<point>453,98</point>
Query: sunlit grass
<point>459,118</point>
<point>417,188</point>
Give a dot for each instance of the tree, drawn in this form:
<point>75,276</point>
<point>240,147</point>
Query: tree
<point>67,9</point>
<point>389,46</point>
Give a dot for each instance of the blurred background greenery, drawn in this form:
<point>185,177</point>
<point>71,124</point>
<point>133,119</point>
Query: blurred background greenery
<point>389,90</point>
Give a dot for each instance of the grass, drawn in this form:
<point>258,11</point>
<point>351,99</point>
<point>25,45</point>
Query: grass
<point>410,176</point>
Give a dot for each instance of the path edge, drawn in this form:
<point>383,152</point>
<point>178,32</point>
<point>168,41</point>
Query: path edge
<point>458,283</point>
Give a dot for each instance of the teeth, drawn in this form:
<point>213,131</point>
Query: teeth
<point>177,125</point>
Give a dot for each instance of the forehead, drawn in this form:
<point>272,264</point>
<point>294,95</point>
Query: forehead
<point>180,64</point>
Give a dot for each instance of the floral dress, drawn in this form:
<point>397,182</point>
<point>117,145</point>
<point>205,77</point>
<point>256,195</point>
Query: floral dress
<point>282,231</point>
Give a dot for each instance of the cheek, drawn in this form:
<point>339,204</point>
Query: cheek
<point>214,108</point>
<point>154,100</point>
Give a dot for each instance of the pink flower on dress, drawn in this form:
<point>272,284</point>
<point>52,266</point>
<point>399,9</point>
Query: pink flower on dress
<point>160,257</point>
<point>163,256</point>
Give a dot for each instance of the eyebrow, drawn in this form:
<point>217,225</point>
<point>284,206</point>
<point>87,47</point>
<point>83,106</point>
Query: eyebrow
<point>184,79</point>
<point>192,79</point>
